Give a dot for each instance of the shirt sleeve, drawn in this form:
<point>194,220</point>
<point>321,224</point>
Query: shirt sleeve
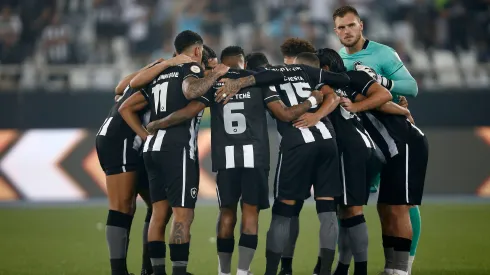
<point>208,98</point>
<point>270,94</point>
<point>360,81</point>
<point>192,70</point>
<point>391,62</point>
<point>145,91</point>
<point>317,75</point>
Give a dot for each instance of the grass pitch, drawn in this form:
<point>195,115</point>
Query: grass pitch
<point>71,240</point>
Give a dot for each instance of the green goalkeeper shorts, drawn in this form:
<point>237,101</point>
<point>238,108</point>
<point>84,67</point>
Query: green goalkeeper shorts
<point>375,183</point>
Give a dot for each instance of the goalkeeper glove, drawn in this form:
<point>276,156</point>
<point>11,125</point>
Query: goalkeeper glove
<point>383,81</point>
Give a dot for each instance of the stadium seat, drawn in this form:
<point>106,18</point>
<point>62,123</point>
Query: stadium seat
<point>444,60</point>
<point>79,78</point>
<point>468,60</point>
<point>449,78</point>
<point>420,60</point>
<point>104,78</point>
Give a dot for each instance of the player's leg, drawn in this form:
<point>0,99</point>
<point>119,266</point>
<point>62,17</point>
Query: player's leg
<point>182,179</point>
<point>393,209</point>
<point>255,191</point>
<point>416,221</point>
<point>287,256</point>
<point>120,192</point>
<point>327,186</point>
<point>290,178</point>
<point>160,213</point>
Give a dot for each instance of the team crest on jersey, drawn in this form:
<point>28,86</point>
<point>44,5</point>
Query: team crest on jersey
<point>195,69</point>
<point>357,63</point>
<point>194,192</point>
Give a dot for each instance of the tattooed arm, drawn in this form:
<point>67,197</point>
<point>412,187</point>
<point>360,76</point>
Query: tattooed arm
<point>194,87</point>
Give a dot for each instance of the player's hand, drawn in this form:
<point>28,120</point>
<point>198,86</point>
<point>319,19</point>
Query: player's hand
<point>228,90</point>
<point>306,120</point>
<point>318,96</point>
<point>402,101</point>
<point>348,105</point>
<point>366,69</point>
<point>221,69</point>
<point>152,127</point>
<point>410,118</point>
<point>180,59</point>
<point>117,97</point>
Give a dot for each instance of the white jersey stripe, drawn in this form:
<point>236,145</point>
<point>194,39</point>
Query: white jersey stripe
<point>248,156</point>
<point>307,135</point>
<point>384,133</point>
<point>103,131</point>
<point>125,147</point>
<point>323,130</point>
<point>157,145</point>
<point>147,143</point>
<point>366,140</point>
<point>230,156</point>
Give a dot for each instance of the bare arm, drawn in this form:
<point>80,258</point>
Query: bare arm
<point>287,114</point>
<point>128,111</point>
<point>195,87</point>
<point>377,95</point>
<point>127,79</point>
<point>177,117</point>
<point>330,102</point>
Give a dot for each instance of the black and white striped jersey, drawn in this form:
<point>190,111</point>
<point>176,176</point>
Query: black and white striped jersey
<point>300,80</point>
<point>386,130</point>
<point>165,96</point>
<point>239,136</point>
<point>116,128</point>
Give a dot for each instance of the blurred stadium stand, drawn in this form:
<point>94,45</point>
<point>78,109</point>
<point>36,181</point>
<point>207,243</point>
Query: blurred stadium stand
<point>90,44</point>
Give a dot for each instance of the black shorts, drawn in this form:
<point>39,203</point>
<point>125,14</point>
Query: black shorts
<point>173,176</point>
<point>312,164</point>
<point>355,174</point>
<point>143,183</point>
<point>117,156</point>
<point>403,176</point>
<point>249,184</point>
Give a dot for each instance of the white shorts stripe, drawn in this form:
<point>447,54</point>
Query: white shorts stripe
<point>406,173</point>
<point>103,130</point>
<point>125,147</point>
<point>230,156</point>
<point>307,135</point>
<point>342,167</point>
<point>366,140</point>
<point>157,145</point>
<point>217,194</point>
<point>147,143</point>
<point>248,156</point>
<point>278,172</point>
<point>417,128</point>
<point>184,166</point>
<point>323,130</point>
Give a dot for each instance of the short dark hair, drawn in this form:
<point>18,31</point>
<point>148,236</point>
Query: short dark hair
<point>210,52</point>
<point>232,51</point>
<point>294,46</point>
<point>186,39</point>
<point>342,11</point>
<point>310,58</point>
<point>329,57</point>
<point>255,61</point>
<point>205,58</point>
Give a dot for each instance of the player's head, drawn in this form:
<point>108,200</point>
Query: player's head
<point>212,57</point>
<point>309,59</point>
<point>257,60</point>
<point>189,43</point>
<point>348,25</point>
<point>205,62</point>
<point>294,46</point>
<point>330,60</point>
<point>233,57</point>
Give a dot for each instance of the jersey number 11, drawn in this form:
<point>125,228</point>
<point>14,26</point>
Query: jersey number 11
<point>160,96</point>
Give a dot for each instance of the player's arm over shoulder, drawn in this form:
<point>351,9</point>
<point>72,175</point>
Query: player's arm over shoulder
<point>195,84</point>
<point>128,110</point>
<point>394,69</point>
<point>187,113</point>
<point>287,114</point>
<point>366,92</point>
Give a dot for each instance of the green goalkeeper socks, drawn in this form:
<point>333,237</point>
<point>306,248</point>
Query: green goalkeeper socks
<point>416,228</point>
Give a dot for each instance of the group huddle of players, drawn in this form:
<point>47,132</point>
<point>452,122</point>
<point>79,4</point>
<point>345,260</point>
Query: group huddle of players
<point>341,133</point>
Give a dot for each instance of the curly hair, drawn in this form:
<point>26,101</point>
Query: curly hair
<point>294,46</point>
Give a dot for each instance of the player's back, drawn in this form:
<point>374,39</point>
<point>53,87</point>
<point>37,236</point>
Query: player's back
<point>239,128</point>
<point>165,96</point>
<point>297,89</point>
<point>114,126</point>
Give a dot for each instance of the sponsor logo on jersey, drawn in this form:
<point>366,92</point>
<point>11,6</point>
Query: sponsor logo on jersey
<point>195,69</point>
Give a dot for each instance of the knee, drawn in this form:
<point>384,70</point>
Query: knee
<point>123,204</point>
<point>350,211</point>
<point>283,208</point>
<point>250,220</point>
<point>227,222</point>
<point>183,215</point>
<point>395,211</point>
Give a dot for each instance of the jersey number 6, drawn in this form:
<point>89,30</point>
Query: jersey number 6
<point>235,123</point>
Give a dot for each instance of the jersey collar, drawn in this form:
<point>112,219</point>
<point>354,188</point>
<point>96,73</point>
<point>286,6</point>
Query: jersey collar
<point>366,43</point>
